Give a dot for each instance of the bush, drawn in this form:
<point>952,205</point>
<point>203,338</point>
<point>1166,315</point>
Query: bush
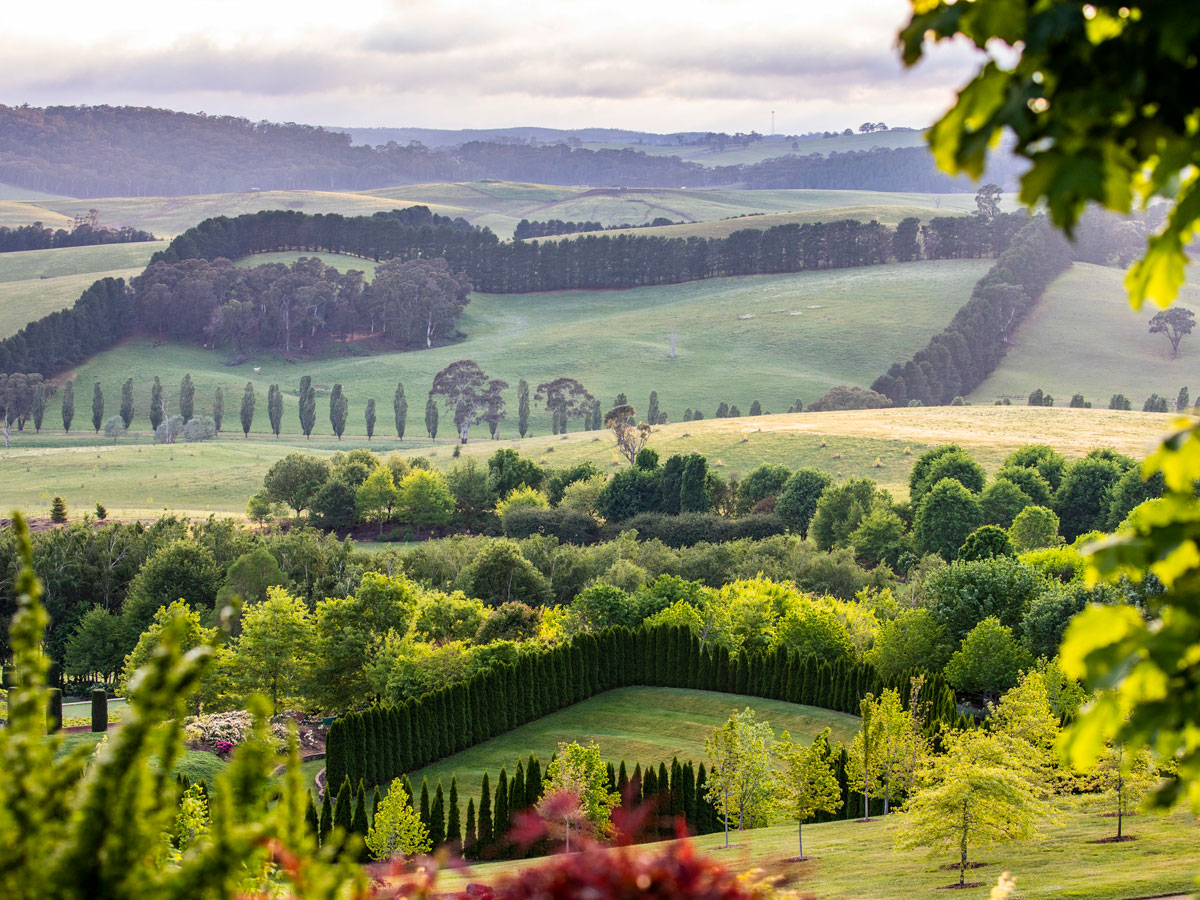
<point>500,574</point>
<point>567,525</point>
<point>990,660</point>
<point>202,428</point>
<point>99,709</point>
<point>687,529</point>
<point>985,543</point>
<point>523,497</point>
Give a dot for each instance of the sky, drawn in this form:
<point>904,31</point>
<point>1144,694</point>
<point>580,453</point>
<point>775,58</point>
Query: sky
<point>650,65</point>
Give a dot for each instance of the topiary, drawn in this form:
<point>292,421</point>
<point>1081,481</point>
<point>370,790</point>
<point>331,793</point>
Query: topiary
<point>99,709</point>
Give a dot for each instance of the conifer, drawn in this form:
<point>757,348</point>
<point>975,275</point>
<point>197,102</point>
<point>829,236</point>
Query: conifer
<point>453,823</point>
<point>437,818</point>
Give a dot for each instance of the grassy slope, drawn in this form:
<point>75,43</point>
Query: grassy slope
<point>139,479</point>
<point>21,302</point>
<point>1082,336</point>
<point>26,195</point>
<point>771,338</point>
<point>19,212</point>
<point>857,860</point>
<point>639,725</point>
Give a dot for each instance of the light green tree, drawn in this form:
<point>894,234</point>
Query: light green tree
<point>575,790</point>
<point>258,509</point>
<point>271,653</point>
<point>884,749</point>
<point>396,827</point>
<point>1127,777</point>
<point>424,499</point>
<point>989,661</point>
<point>1025,717</point>
<point>807,783</point>
<point>740,781</point>
<point>1033,528</point>
<point>971,797</point>
<point>183,625</point>
<point>376,496</point>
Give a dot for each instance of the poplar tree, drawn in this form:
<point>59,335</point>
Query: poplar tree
<point>652,409</point>
<point>522,407</point>
<point>68,406</point>
<point>400,408</point>
<point>338,407</point>
<point>97,407</point>
<point>275,408</point>
<point>247,409</point>
<point>431,418</point>
<point>187,398</point>
<point>156,403</point>
<point>218,408</point>
<point>127,402</point>
<point>370,417</point>
<point>308,405</point>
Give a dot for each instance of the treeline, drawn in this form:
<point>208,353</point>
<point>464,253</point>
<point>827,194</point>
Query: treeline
<point>101,316</point>
<point>384,742</point>
<point>959,359</point>
<point>98,151</point>
<point>39,237</point>
<point>535,229</point>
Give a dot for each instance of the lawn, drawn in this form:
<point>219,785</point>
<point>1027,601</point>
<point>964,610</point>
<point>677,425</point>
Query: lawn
<point>1083,336</point>
<point>100,259</point>
<point>135,478</point>
<point>857,860</point>
<point>196,764</point>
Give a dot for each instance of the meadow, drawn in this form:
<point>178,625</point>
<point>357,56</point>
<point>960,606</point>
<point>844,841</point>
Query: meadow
<point>1084,337</point>
<point>135,478</point>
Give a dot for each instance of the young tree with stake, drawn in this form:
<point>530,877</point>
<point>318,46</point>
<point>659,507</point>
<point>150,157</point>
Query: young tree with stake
<point>740,781</point>
<point>809,785</point>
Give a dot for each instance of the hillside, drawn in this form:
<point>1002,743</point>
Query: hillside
<point>1083,337</point>
<point>197,479</point>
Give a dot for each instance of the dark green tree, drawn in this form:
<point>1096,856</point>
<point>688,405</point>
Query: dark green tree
<point>157,409</point>
<point>797,500</point>
<point>97,407</point>
<point>343,809</point>
<point>218,408</point>
<point>652,409</point>
<point>68,405</point>
<point>307,403</point>
<point>437,818</point>
<point>58,511</point>
<point>275,408</point>
<point>470,838</point>
<point>985,543</point>
<point>947,515</point>
<point>431,418</point>
<point>187,398</point>
<point>522,407</point>
<point>247,409</point>
<point>486,834</point>
<point>338,408</point>
<point>1084,498</point>
<point>127,402</point>
<point>359,823</point>
<point>693,488</point>
<point>370,416</point>
<point>454,834</point>
<point>326,822</point>
<point>400,409</point>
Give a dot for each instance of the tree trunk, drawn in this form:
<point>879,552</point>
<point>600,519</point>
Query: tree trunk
<point>800,837</point>
<point>1120,801</point>
<point>726,818</point>
<point>962,848</point>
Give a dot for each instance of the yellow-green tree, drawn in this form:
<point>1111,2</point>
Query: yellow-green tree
<point>1127,777</point>
<point>424,499</point>
<point>886,750</point>
<point>807,783</point>
<point>970,797</point>
<point>740,782</point>
<point>271,653</point>
<point>1026,719</point>
<point>376,496</point>
<point>397,828</point>
<point>575,790</point>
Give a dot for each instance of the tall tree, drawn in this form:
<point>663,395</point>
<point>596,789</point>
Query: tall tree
<point>247,409</point>
<point>127,402</point>
<point>38,410</point>
<point>271,652</point>
<point>187,398</point>
<point>630,438</point>
<point>157,407</point>
<point>397,829</point>
<point>740,781</point>
<point>652,408</point>
<point>338,408</point>
<point>275,408</point>
<point>467,391</point>
<point>576,791</point>
<point>566,397</point>
<point>400,408</point>
<point>522,407</point>
<point>1174,323</point>
<point>68,405</point>
<point>97,407</point>
<point>308,405</point>
<point>218,408</point>
<point>370,417</point>
<point>809,783</point>
<point>431,418</point>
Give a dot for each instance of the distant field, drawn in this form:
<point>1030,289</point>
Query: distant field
<point>24,195</point>
<point>49,264</point>
<point>1083,336</point>
<point>14,212</point>
<point>21,302</point>
<point>773,147</point>
<point>135,478</point>
<point>638,724</point>
<point>772,338</point>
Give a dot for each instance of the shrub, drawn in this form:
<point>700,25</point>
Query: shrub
<point>201,428</point>
<point>687,529</point>
<point>985,543</point>
<point>523,497</point>
<point>99,710</point>
<point>567,525</point>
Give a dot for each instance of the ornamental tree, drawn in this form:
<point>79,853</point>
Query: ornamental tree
<point>808,783</point>
<point>397,829</point>
<point>740,781</point>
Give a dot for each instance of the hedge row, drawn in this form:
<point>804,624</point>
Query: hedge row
<point>383,742</point>
<point>683,530</point>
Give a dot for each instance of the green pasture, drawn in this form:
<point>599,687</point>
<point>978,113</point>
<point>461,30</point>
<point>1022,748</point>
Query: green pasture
<point>100,259</point>
<point>24,301</point>
<point>857,860</point>
<point>1082,336</point>
<point>22,212</point>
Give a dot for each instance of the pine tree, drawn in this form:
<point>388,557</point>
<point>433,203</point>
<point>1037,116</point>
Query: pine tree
<point>522,407</point>
<point>247,409</point>
<point>311,819</point>
<point>97,407</point>
<point>156,403</point>
<point>375,801</point>
<point>358,823</point>
<point>485,835</point>
<point>437,818</point>
<point>68,406</point>
<point>218,408</point>
<point>275,408</point>
<point>127,402</point>
<point>370,414</point>
<point>453,824</point>
<point>469,837</point>
<point>501,819</point>
<point>343,808</point>
<point>187,398</point>
<point>326,821</point>
<point>307,397</point>
<point>58,511</point>
<point>400,409</point>
<point>338,408</point>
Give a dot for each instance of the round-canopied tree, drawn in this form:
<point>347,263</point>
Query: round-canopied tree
<point>948,513</point>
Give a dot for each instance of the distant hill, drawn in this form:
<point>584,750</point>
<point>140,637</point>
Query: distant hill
<point>444,137</point>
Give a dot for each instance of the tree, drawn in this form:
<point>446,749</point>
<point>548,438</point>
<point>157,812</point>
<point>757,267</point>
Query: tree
<point>466,390</point>
<point>397,828</point>
<point>565,398</point>
<point>1083,499</point>
<point>740,780</point>
<point>914,640</point>
<point>652,408</point>
<point>307,403</point>
<point>575,790</point>
<point>97,407</point>
<point>987,201</point>
<point>1182,401</point>
<point>760,483</point>
<point>275,408</point>
<point>271,653</point>
<point>218,412</point>
<point>114,428</point>
<point>986,542</point>
<point>377,496</point>
<point>68,405</point>
<point>58,511</point>
<point>693,484</point>
<point>500,574</point>
<point>808,781</point>
<point>522,407</point>
<point>295,479</point>
<point>247,409</point>
<point>338,408</point>
<point>1127,776</point>
<point>948,513</point>
<point>797,500</point>
<point>989,661</point>
<point>1001,501</point>
<point>38,409</point>
<point>158,409</point>
<point>431,418</point>
<point>370,416</point>
<point>127,402</point>
<point>258,509</point>
<point>424,499</point>
<point>971,796</point>
<point>630,438</point>
<point>95,646</point>
<point>1034,527</point>
<point>400,408</point>
<point>187,398</point>
<point>1174,323</point>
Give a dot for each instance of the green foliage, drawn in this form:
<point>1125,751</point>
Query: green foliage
<point>951,462</point>
<point>397,829</point>
<point>985,543</point>
<point>947,514</point>
<point>295,479</point>
<point>913,641</point>
<point>841,508</point>
<point>1034,528</point>
<point>376,496</point>
<point>424,499</point>
<point>58,511</point>
<point>797,500</point>
<point>764,481</point>
<point>182,569</point>
<point>271,653</point>
<point>523,497</point>
<point>962,595</point>
<point>989,661</point>
<point>808,781</point>
<point>1084,498</point>
<point>338,409</point>
<point>880,537</point>
<point>740,781</point>
<point>1001,501</point>
<point>247,411</point>
<point>250,576</point>
<point>575,790</point>
<point>500,574</point>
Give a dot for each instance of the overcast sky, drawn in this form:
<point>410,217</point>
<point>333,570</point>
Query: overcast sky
<point>654,65</point>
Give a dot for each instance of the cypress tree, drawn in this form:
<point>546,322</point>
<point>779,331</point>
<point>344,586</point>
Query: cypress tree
<point>652,409</point>
<point>516,791</point>
<point>622,780</point>
<point>469,837</point>
<point>705,819</point>
<point>522,407</point>
<point>688,796</point>
<point>437,818</point>
<point>635,786</point>
<point>338,407</point>
<point>97,407</point>
<point>370,418</point>
<point>54,715</point>
<point>275,408</point>
<point>335,748</point>
<point>424,811</point>
<point>343,809</point>
<point>406,759</point>
<point>68,406</point>
<point>127,402</point>
<point>307,403</point>
<point>677,805</point>
<point>311,819</point>
<point>375,801</point>
<point>610,777</point>
<point>664,800</point>
<point>358,823</point>
<point>248,402</point>
<point>650,788</point>
<point>485,815</point>
<point>370,756</point>
<point>453,824</point>
<point>431,418</point>
<point>501,818</point>
<point>358,765</point>
<point>400,408</point>
<point>533,782</point>
<point>156,403</point>
<point>326,823</point>
<point>187,398</point>
<point>218,408</point>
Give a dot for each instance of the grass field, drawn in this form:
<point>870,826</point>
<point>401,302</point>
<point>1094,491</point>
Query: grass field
<point>644,725</point>
<point>19,212</point>
<point>29,265</point>
<point>21,302</point>
<point>26,195</point>
<point>1083,336</point>
<point>136,478</point>
<point>857,861</point>
<point>196,764</point>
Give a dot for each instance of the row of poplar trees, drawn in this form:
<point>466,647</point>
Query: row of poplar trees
<point>384,742</point>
